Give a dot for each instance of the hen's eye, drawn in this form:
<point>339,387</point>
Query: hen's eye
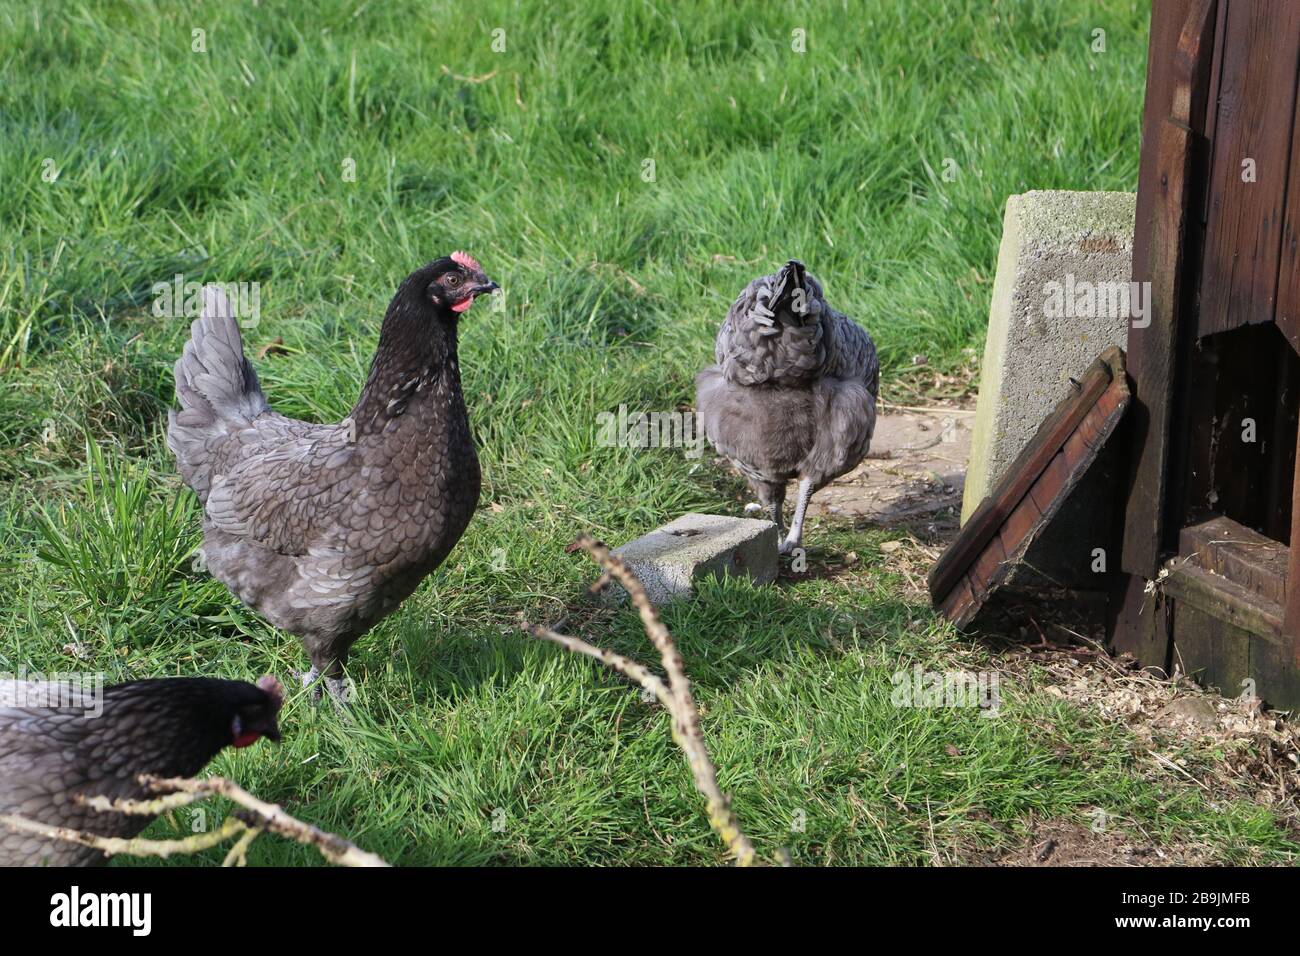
<point>453,280</point>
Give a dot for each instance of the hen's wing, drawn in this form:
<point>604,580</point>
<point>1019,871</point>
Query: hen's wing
<point>40,764</point>
<point>285,485</point>
<point>850,352</point>
<point>847,394</point>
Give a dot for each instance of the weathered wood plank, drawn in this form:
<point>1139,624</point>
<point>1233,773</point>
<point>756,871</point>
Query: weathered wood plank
<point>988,567</point>
<point>1223,599</point>
<point>1055,475</point>
<point>1240,554</point>
<point>1153,349</point>
<point>1213,617</point>
<point>1214,652</point>
<point>1031,493</point>
<point>1196,47</point>
<point>1293,576</point>
<point>1288,295</point>
<point>984,523</point>
<point>1180,85</point>
<point>1167,19</point>
<point>1249,165</point>
<point>1274,669</point>
<point>1140,623</point>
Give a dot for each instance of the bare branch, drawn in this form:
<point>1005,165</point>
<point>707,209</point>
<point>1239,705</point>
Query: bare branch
<point>675,695</point>
<point>270,816</point>
<point>625,666</point>
<point>238,855</point>
<point>256,817</point>
<point>138,846</point>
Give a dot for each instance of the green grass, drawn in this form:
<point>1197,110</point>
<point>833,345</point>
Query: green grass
<point>229,166</point>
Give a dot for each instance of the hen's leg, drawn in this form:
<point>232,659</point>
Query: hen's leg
<point>338,691</point>
<point>771,497</point>
<point>334,683</point>
<point>795,538</point>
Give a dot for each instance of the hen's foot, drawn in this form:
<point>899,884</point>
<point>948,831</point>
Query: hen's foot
<point>337,687</point>
<point>339,690</point>
<point>309,678</point>
<point>789,545</point>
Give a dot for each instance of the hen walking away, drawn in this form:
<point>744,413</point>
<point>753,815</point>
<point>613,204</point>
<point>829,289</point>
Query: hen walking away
<point>60,742</point>
<point>325,529</point>
<point>793,393</point>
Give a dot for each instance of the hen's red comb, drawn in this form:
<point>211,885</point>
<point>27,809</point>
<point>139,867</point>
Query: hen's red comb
<point>273,688</point>
<point>466,260</point>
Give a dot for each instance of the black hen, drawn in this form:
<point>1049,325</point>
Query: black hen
<point>59,742</point>
<point>325,529</point>
<point>793,393</point>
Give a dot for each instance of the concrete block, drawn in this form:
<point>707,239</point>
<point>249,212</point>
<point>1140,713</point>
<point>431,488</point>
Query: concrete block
<point>670,559</point>
<point>1061,295</point>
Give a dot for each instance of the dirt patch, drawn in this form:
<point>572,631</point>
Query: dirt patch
<point>1059,842</point>
<point>916,467</point>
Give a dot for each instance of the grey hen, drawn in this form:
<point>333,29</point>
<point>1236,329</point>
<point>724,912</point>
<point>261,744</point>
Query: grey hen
<point>325,529</point>
<point>61,742</point>
<point>793,393</point>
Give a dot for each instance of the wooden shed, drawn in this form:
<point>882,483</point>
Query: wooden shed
<point>1207,526</point>
<point>1210,581</point>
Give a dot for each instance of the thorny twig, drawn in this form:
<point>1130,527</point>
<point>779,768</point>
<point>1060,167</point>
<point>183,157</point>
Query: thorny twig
<point>247,824</point>
<point>674,694</point>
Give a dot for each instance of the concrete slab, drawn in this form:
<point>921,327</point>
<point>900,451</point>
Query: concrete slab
<point>1061,295</point>
<point>670,559</point>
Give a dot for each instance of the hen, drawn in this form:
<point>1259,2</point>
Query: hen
<point>59,742</point>
<point>325,529</point>
<point>793,393</point>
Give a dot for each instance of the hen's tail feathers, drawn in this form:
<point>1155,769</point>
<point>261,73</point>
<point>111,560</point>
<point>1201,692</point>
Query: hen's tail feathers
<point>216,388</point>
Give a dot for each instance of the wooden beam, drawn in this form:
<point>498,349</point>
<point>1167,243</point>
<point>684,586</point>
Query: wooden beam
<point>1250,165</point>
<point>1240,554</point>
<point>1223,600</point>
<point>1179,104</point>
<point>1191,79</point>
<point>1153,349</point>
<point>1021,475</point>
<point>1167,192</point>
<point>1030,494</point>
<point>1292,629</point>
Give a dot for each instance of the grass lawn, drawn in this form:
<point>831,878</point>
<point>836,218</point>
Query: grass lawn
<point>882,156</point>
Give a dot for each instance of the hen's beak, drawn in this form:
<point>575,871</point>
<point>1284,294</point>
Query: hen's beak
<point>796,272</point>
<point>789,279</point>
<point>484,286</point>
